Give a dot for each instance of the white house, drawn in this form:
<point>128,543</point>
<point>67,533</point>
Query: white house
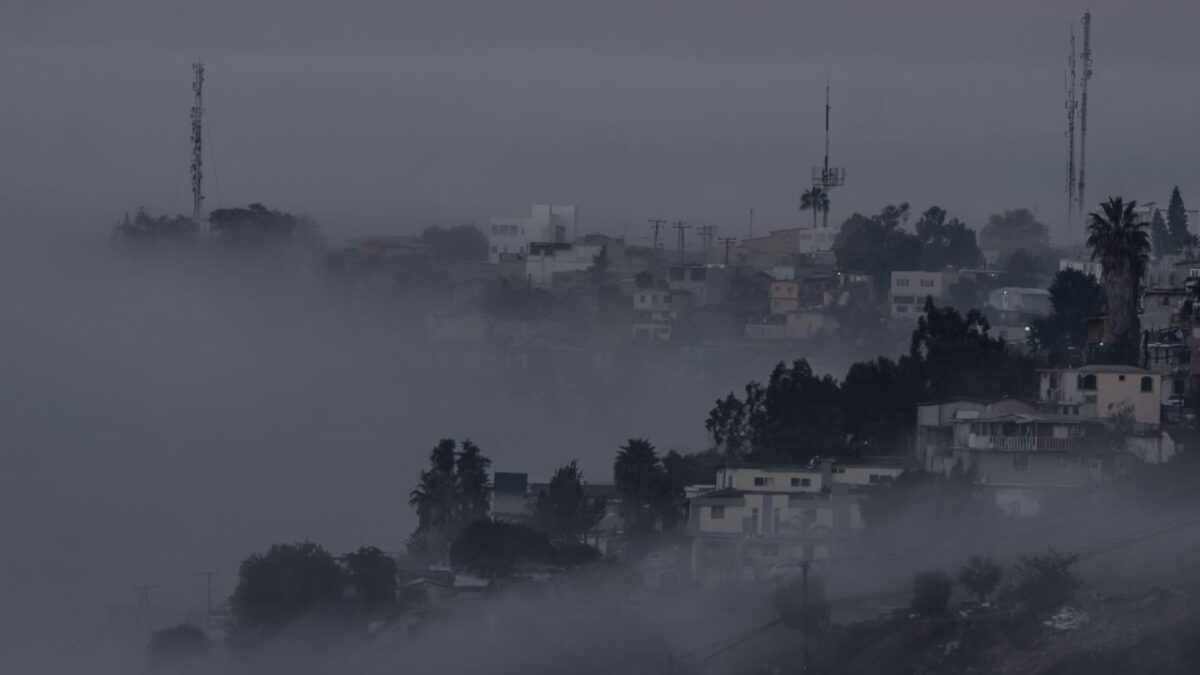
<point>910,288</point>
<point>547,223</point>
<point>1100,391</point>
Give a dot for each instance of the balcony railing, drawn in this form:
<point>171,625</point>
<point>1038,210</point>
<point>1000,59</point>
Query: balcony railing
<point>1027,443</point>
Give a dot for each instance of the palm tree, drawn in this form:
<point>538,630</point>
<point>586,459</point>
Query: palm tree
<point>1120,242</point>
<point>815,199</point>
<point>435,497</point>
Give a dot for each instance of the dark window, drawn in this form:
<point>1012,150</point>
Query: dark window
<point>718,513</point>
<point>1087,382</point>
<point>1147,384</point>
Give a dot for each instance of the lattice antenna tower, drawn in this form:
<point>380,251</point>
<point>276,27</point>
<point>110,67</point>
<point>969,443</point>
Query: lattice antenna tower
<point>1072,106</point>
<point>1085,57</point>
<point>197,141</point>
<point>826,176</point>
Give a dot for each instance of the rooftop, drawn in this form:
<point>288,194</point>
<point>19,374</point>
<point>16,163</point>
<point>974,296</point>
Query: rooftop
<point>1100,368</point>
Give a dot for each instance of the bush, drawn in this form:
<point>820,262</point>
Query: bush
<point>931,593</point>
<point>980,576</point>
<point>1044,583</point>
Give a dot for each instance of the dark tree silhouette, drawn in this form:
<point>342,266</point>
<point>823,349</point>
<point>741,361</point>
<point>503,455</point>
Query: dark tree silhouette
<point>285,583</point>
<point>931,593</point>
<point>1119,241</point>
<point>946,243</point>
<point>815,199</point>
<point>1017,228</point>
<point>1177,223</point>
<point>641,482</point>
<point>980,576</point>
<point>563,510</point>
<point>474,488</point>
<point>372,576</point>
<point>179,650</point>
<point>1074,297</point>
<point>436,499</point>
<point>494,549</point>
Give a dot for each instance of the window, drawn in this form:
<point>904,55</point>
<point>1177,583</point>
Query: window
<point>1054,380</point>
<point>927,283</point>
<point>762,481</point>
<point>902,282</point>
<point>903,299</point>
<point>801,482</point>
<point>903,309</point>
<point>1147,384</point>
<point>876,478</point>
<point>1166,300</point>
<point>1120,378</point>
<point>1087,382</point>
<point>718,512</point>
<point>1194,273</point>
<point>1020,462</point>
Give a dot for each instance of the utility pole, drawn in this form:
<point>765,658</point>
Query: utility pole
<point>806,615</point>
<point>197,142</point>
<point>728,241</point>
<point>750,231</point>
<point>208,606</point>
<point>680,227</point>
<point>706,235</point>
<point>1086,57</point>
<point>657,223</point>
<point>143,595</point>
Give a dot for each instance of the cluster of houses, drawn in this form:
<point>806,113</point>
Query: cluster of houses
<point>1088,427</point>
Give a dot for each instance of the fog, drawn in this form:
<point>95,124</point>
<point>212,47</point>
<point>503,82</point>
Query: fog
<point>163,416</point>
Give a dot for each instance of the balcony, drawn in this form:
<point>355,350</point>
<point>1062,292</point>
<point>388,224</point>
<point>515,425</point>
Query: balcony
<point>1028,443</point>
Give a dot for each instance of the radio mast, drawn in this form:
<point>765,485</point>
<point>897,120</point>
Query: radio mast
<point>197,142</point>
<point>1086,57</point>
<point>826,176</point>
<point>1072,105</point>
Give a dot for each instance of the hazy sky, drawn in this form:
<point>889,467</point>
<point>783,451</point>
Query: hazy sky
<point>381,114</point>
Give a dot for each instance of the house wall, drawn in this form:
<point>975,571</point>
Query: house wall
<point>802,325</point>
<point>777,480</point>
<point>1113,389</point>
<point>865,475</point>
<point>909,288</point>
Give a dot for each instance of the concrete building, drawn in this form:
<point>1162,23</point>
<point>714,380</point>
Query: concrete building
<point>910,288</point>
<point>547,223</point>
<point>1027,301</point>
<point>939,431</point>
<point>544,260</point>
<point>1102,392</point>
<point>708,284</point>
<point>758,517</point>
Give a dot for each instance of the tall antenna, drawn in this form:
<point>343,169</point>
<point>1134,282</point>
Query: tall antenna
<point>1086,57</point>
<point>1072,105</point>
<point>197,141</point>
<point>826,176</point>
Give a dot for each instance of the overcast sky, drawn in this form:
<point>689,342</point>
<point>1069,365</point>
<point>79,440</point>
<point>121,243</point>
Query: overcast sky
<point>377,115</point>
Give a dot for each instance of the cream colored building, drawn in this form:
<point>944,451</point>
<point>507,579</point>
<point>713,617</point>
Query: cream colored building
<point>758,516</point>
<point>909,288</point>
<point>1101,391</point>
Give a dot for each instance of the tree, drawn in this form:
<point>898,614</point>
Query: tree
<point>1017,228</point>
<point>878,244</point>
<point>727,421</point>
<point>255,225</point>
<point>145,228</point>
<point>961,359</point>
<point>178,650</point>
<point>436,499</point>
<point>1119,241</point>
<point>563,510</point>
<point>1177,222</point>
<point>946,243</point>
<point>931,593</point>
<point>461,243</point>
<point>980,576</point>
<point>877,397</point>
<point>1046,582</point>
<point>372,576</point>
<point>285,583</point>
<point>1074,298</point>
<point>474,488</point>
<point>1021,269</point>
<point>1160,236</point>
<point>494,549</point>
<point>641,482</point>
<point>815,199</point>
